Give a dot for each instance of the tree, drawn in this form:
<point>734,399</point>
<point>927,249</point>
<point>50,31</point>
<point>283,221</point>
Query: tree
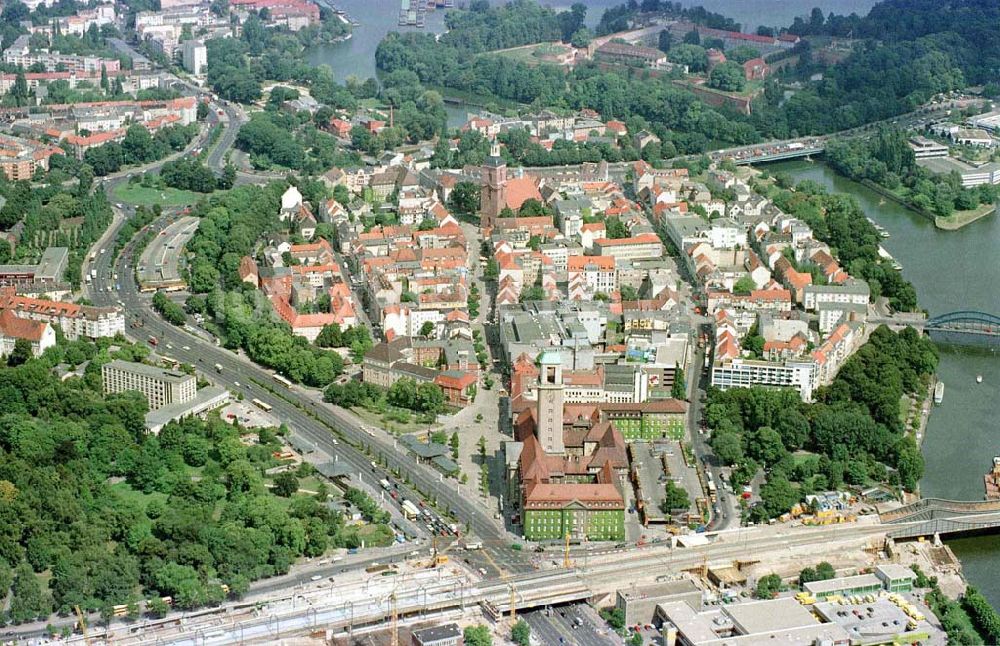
<point>454,445</point>
<point>825,571</point>
<point>694,56</point>
<point>768,586</point>
<point>676,498</point>
<point>744,286</point>
<point>728,77</point>
<point>28,601</point>
<point>478,635</point>
<point>286,484</point>
<point>21,353</point>
<point>679,388</point>
<point>742,54</point>
<point>426,330</point>
<point>520,634</point>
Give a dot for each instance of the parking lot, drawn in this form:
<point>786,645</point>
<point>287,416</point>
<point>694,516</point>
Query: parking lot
<point>648,459</point>
<point>248,415</point>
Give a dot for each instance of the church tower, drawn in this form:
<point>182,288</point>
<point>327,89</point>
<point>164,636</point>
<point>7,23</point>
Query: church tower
<point>493,195</point>
<point>550,403</point>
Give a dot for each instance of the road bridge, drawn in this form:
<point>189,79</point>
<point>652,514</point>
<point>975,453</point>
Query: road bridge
<point>930,516</point>
<point>763,153</point>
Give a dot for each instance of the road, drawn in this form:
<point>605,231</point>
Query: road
<point>317,423</point>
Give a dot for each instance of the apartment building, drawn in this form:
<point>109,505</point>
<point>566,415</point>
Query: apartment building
<point>746,373</point>
<point>76,321</point>
<point>160,387</point>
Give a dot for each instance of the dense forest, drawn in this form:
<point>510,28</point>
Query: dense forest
<point>95,512</point>
<point>853,432</point>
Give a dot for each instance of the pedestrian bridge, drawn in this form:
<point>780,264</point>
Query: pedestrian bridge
<point>931,516</point>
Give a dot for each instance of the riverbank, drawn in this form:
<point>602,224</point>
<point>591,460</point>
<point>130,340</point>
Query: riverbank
<point>960,437</point>
<point>953,222</point>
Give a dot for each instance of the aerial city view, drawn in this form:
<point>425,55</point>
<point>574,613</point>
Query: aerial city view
<point>441,322</point>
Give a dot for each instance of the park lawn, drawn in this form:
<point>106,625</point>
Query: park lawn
<point>145,196</point>
<point>379,420</point>
<point>135,496</point>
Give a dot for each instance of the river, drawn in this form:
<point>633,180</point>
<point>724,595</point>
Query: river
<point>951,271</point>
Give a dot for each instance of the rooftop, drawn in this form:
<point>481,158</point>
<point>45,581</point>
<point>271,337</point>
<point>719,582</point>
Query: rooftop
<point>173,376</point>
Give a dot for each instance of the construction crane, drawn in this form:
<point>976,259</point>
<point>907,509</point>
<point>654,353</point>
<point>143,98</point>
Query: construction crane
<point>566,561</point>
<point>505,577</point>
<point>83,625</point>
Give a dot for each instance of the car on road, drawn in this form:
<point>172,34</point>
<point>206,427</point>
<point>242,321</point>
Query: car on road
<point>315,577</point>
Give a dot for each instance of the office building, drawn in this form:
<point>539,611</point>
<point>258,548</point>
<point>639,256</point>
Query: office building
<point>160,387</point>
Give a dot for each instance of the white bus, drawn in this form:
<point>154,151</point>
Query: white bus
<point>261,405</point>
<point>281,380</point>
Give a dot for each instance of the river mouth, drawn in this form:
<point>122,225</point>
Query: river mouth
<point>952,271</point>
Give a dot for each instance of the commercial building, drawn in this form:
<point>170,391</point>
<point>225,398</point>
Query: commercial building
<point>646,245</point>
<point>48,271</point>
<point>778,621</point>
<point>194,55</point>
<point>846,586</point>
<point>924,148</point>
<point>971,174</point>
<point>638,603</point>
<point>160,387</point>
<point>895,578</point>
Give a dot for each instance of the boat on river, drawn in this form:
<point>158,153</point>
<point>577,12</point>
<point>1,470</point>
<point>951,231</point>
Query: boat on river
<point>939,392</point>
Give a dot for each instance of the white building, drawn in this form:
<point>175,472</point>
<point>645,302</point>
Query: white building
<point>194,55</point>
<point>12,328</point>
<point>745,373</point>
<point>160,387</point>
<point>851,292</point>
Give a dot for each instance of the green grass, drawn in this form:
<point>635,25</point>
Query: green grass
<point>136,497</point>
<point>145,196</point>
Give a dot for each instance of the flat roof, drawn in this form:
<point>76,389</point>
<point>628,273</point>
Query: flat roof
<point>52,262</point>
<point>437,633</point>
<point>877,622</point>
<point>894,571</point>
<point>665,589</point>
<point>768,616</point>
<point>207,398</point>
<point>174,376</point>
<point>842,583</point>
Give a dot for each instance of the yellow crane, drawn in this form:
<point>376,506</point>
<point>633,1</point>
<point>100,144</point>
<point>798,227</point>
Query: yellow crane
<point>505,577</point>
<point>566,562</point>
<point>83,625</point>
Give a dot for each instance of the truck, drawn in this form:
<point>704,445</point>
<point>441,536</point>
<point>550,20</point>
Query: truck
<point>473,545</point>
<point>93,274</point>
<point>410,510</point>
<point>385,484</point>
<point>218,367</point>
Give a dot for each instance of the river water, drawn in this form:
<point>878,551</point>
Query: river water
<point>951,271</point>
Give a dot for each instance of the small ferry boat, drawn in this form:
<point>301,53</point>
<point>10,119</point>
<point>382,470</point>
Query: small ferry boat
<point>939,392</point>
<point>979,379</point>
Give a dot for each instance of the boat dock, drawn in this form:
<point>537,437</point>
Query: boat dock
<point>879,228</point>
<point>885,254</point>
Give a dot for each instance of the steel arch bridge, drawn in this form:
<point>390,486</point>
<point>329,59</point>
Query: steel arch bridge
<point>965,325</point>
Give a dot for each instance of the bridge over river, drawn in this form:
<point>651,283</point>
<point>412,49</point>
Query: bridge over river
<point>931,516</point>
<point>964,327</point>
